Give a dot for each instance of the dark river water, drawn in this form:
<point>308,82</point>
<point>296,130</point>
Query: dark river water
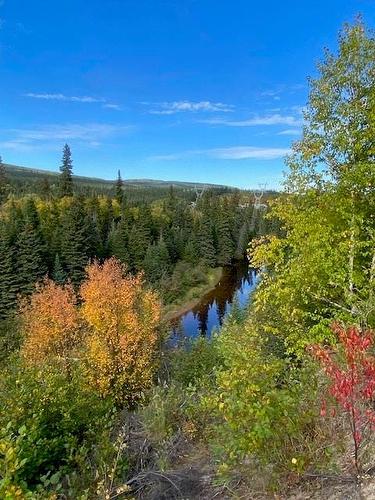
<point>236,284</point>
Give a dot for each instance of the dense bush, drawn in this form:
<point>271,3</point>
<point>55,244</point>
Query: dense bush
<point>194,364</point>
<point>50,425</point>
<point>10,337</point>
<point>264,402</point>
<point>122,317</point>
<point>78,365</point>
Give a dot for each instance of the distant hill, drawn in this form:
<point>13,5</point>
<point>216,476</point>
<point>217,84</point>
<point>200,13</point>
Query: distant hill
<point>31,175</point>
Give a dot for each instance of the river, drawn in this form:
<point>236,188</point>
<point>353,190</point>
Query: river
<point>236,284</point>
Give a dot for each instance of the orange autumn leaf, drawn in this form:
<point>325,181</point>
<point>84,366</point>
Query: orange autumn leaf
<point>50,321</point>
<point>122,317</point>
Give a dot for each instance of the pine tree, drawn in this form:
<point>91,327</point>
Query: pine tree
<point>191,253</point>
<point>243,239</point>
<point>140,237</point>
<point>15,220</point>
<point>157,263</point>
<point>74,251</point>
<point>66,169</point>
<point>171,238</point>
<point>119,188</point>
<point>105,223</point>
<point>224,238</point>
<point>119,241</point>
<point>8,281</point>
<point>58,273</point>
<point>171,201</point>
<point>3,181</point>
<point>206,243</point>
<point>31,250</point>
<point>94,243</point>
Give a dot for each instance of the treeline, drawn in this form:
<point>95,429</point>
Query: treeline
<point>22,181</point>
<point>170,237</point>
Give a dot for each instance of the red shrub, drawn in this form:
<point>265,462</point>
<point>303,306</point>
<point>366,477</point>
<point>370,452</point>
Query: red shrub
<point>351,372</point>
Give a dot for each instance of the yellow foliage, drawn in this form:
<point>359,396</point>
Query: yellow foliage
<point>114,331</point>
<point>122,317</point>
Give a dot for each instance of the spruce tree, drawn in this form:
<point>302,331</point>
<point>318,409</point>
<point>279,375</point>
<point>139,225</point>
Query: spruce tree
<point>74,251</point>
<point>31,215</point>
<point>94,243</point>
<point>9,278</point>
<point>105,223</point>
<point>191,253</point>
<point>58,273</point>
<point>244,237</point>
<point>157,263</point>
<point>119,241</point>
<point>224,238</point>
<point>15,220</point>
<point>119,188</point>
<point>170,235</point>
<point>206,242</point>
<point>66,169</point>
<point>31,250</point>
<point>3,182</point>
<point>139,239</point>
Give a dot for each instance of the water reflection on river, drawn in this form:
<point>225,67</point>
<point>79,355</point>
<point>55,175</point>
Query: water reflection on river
<point>236,284</point>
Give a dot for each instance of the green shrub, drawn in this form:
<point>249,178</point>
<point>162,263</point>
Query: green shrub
<point>10,338</point>
<point>49,426</point>
<point>194,364</point>
<point>266,405</point>
<point>178,408</point>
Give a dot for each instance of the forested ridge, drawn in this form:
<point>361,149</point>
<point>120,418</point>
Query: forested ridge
<point>24,180</point>
<point>174,235</point>
<point>279,402</point>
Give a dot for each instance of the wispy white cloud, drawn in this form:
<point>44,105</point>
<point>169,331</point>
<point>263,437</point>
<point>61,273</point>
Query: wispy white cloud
<point>290,131</point>
<point>273,94</point>
<point>73,98</point>
<point>274,119</point>
<point>69,131</point>
<point>110,105</point>
<point>248,152</point>
<point>15,145</point>
<point>228,153</point>
<point>63,97</point>
<point>51,136</point>
<point>170,108</point>
<point>281,89</point>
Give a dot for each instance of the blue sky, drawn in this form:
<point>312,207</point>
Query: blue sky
<point>198,90</point>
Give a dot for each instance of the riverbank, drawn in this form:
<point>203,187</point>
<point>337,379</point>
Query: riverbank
<point>192,296</point>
